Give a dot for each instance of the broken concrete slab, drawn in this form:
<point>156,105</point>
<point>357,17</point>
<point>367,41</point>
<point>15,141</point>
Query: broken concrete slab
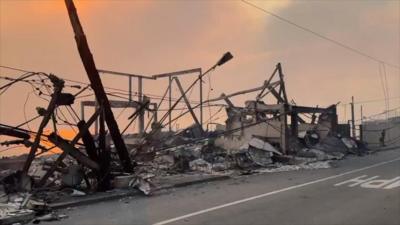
<point>332,144</point>
<point>122,181</point>
<point>142,184</point>
<point>263,145</point>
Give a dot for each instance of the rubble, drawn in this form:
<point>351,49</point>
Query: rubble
<point>49,217</point>
<point>302,166</point>
<point>200,165</point>
<point>10,211</point>
<point>122,181</point>
<point>76,193</point>
<point>256,137</point>
<point>143,183</point>
<point>73,177</point>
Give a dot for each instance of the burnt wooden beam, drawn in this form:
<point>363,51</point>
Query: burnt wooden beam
<point>13,133</point>
<point>294,124</point>
<point>72,151</point>
<point>73,142</point>
<point>88,141</point>
<point>97,86</point>
<point>103,176</point>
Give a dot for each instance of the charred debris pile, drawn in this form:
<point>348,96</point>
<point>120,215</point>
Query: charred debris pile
<point>256,137</point>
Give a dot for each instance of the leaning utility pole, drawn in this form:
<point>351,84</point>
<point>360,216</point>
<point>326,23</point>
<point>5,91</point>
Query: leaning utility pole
<point>97,86</point>
<point>58,86</point>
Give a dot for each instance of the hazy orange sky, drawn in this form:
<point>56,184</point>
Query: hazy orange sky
<point>150,37</point>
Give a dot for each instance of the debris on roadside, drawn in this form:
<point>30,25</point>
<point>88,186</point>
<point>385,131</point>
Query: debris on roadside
<point>259,137</point>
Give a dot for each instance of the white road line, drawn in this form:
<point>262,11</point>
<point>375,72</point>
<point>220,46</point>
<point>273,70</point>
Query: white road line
<point>270,193</point>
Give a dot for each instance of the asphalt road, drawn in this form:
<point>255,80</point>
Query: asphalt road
<point>361,190</point>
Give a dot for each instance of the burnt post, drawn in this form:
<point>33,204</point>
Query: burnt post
<point>353,125</point>
<point>74,152</point>
<point>294,124</point>
<point>97,86</point>
<point>284,134</point>
<point>58,86</point>
<point>82,131</point>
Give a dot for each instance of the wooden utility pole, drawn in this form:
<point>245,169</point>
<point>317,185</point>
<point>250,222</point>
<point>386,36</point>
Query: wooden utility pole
<point>97,86</point>
<point>58,86</point>
<point>361,126</point>
<point>361,112</point>
<point>353,125</point>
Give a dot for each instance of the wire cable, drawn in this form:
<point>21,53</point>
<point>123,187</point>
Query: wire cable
<point>324,37</point>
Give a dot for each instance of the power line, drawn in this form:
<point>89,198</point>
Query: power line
<point>109,88</point>
<point>379,114</point>
<point>375,100</point>
<point>345,46</point>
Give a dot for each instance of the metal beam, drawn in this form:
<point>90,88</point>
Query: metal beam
<point>176,73</point>
<point>307,109</point>
<point>284,133</point>
<point>276,94</point>
<point>282,86</point>
<point>125,74</point>
<point>141,113</point>
<point>267,82</point>
<point>188,104</point>
<point>222,97</point>
<point>114,104</point>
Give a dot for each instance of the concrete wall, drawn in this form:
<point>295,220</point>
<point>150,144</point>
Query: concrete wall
<point>234,141</point>
<point>372,130</point>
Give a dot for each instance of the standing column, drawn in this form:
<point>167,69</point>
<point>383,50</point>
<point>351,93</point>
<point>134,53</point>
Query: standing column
<point>201,100</point>
<point>141,114</point>
<point>130,88</point>
<point>353,126</point>
<point>170,103</point>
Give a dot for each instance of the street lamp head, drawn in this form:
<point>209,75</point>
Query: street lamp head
<point>225,58</point>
